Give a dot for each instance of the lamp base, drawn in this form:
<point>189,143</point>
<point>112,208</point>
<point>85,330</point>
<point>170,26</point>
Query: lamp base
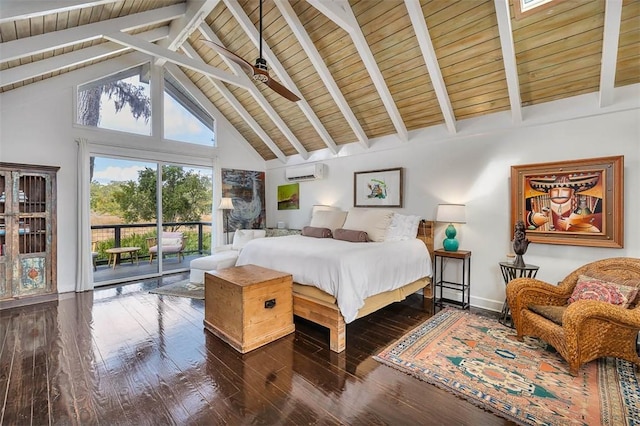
<point>450,244</point>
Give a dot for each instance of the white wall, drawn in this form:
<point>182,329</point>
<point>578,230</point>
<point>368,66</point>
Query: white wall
<point>475,170</point>
<point>36,127</point>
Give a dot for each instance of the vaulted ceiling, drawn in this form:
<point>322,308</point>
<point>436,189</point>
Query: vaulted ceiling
<point>362,68</point>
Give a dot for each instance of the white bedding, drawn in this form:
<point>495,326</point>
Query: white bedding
<point>350,272</point>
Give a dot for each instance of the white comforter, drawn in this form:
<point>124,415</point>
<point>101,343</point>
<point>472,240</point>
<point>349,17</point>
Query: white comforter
<point>350,272</point>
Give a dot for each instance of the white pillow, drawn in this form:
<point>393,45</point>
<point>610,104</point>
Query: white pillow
<point>241,238</point>
<point>332,219</point>
<point>259,233</point>
<point>172,241</point>
<point>374,222</point>
<point>402,227</point>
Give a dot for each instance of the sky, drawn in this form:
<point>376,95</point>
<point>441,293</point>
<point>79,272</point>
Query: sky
<point>179,125</point>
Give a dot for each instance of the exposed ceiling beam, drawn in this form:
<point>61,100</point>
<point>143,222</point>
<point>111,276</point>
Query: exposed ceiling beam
<point>74,58</point>
<point>276,66</point>
<point>314,56</point>
<point>11,10</point>
<point>182,60</point>
<point>182,78</point>
<point>509,58</point>
<point>241,110</point>
<point>612,17</point>
<point>33,45</point>
<point>342,9</point>
<point>431,60</point>
<point>181,28</point>
<point>208,34</point>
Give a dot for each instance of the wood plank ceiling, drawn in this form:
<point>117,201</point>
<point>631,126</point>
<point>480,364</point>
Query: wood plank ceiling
<point>363,68</point>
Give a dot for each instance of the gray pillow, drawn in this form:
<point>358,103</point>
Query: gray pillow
<point>313,231</point>
<point>350,235</point>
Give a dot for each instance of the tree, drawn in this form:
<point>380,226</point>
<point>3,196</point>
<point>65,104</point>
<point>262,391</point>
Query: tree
<point>186,196</point>
<point>122,93</point>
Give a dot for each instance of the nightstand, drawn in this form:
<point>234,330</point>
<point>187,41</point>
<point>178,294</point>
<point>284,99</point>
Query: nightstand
<point>464,287</point>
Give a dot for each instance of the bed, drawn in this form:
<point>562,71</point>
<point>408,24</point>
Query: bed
<point>317,301</point>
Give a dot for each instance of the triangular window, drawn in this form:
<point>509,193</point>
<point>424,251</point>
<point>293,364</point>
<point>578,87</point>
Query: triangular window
<point>184,119</point>
<point>119,102</point>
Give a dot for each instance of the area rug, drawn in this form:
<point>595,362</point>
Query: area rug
<point>181,289</point>
<point>527,382</point>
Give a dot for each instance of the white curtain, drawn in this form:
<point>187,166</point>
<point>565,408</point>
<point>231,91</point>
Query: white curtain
<point>84,265</point>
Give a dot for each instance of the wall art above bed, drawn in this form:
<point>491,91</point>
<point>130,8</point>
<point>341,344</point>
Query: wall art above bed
<point>378,188</point>
<point>577,202</point>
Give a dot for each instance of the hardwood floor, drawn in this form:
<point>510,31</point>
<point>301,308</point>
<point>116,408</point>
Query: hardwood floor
<point>121,355</point>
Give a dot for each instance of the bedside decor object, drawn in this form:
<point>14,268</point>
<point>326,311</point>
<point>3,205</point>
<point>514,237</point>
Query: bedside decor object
<point>226,204</point>
<point>451,213</point>
<point>520,243</point>
<point>576,202</point>
<point>378,188</point>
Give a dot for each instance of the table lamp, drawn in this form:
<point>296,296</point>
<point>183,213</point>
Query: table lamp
<point>226,204</point>
<point>451,213</point>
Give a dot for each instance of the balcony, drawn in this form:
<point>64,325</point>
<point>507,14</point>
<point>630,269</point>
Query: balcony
<point>197,237</point>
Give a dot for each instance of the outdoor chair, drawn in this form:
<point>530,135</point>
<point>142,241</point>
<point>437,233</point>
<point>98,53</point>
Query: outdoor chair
<point>594,312</point>
<point>94,254</point>
<point>171,242</point>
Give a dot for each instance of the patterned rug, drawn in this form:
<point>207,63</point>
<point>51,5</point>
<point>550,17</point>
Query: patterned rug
<point>181,289</point>
<point>527,382</point>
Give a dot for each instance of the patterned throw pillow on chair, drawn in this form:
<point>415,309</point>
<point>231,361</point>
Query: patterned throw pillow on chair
<point>589,288</point>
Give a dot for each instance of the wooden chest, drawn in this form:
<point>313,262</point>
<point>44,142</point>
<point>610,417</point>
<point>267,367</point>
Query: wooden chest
<point>248,306</point>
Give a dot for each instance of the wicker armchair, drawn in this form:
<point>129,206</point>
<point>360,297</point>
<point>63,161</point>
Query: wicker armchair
<point>590,329</point>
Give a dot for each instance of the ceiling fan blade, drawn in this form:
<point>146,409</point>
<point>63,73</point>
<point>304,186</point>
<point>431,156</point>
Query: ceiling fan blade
<point>231,56</point>
<point>281,90</point>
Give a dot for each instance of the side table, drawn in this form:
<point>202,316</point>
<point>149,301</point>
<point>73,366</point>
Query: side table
<point>510,272</point>
<point>463,287</point>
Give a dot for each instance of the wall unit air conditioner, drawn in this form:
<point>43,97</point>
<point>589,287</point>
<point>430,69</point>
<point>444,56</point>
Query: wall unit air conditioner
<point>305,172</point>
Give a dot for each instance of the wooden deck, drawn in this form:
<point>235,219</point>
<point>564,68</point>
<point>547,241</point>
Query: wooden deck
<point>120,355</point>
<point>127,271</point>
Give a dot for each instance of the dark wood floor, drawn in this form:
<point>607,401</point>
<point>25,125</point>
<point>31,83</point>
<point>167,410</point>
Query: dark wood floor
<point>123,356</point>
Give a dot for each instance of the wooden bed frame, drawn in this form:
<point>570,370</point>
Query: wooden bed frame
<point>328,315</point>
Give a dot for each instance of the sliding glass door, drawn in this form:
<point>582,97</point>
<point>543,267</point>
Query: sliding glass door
<point>124,219</point>
<point>147,218</point>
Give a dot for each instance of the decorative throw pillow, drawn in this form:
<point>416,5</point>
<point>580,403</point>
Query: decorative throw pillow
<point>241,238</point>
<point>589,288</point>
<point>312,231</point>
<point>374,222</point>
<point>552,313</point>
<point>402,227</point>
<point>331,219</point>
<point>350,235</point>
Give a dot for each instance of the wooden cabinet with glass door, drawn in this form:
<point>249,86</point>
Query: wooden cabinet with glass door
<point>27,234</point>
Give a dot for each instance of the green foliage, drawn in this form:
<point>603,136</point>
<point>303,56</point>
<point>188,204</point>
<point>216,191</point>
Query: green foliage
<point>186,196</point>
<point>102,199</point>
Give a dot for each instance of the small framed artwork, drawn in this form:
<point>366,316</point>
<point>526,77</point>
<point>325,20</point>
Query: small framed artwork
<point>378,188</point>
<point>289,196</point>
<point>576,202</point>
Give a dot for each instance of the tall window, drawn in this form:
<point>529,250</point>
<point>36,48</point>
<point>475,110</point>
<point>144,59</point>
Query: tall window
<point>118,102</point>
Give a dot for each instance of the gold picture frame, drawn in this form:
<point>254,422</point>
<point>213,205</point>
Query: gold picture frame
<point>577,202</point>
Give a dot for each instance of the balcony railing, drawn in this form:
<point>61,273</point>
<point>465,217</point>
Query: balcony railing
<point>197,236</point>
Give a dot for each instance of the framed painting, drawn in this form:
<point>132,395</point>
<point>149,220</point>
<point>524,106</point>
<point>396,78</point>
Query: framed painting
<point>247,189</point>
<point>289,196</point>
<point>378,188</point>
<point>576,202</point>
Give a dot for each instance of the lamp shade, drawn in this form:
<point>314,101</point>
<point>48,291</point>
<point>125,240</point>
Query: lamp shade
<point>451,213</point>
<point>226,203</point>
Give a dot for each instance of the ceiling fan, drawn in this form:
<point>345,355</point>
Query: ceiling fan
<point>259,71</point>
